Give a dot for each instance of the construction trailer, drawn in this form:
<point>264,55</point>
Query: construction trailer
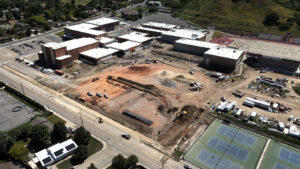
<point>281,126</point>
<point>253,115</point>
<point>257,103</point>
<point>230,106</point>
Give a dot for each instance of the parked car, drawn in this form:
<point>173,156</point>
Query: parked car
<point>90,94</point>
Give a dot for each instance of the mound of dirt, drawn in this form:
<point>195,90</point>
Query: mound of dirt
<point>139,68</point>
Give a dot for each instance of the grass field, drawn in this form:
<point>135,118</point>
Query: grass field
<point>243,15</point>
<point>201,144</point>
<point>54,119</point>
<point>60,34</point>
<point>271,156</point>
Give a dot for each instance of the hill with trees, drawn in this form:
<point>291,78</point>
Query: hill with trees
<point>243,15</point>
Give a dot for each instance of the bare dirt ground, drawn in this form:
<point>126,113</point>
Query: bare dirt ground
<point>172,83</point>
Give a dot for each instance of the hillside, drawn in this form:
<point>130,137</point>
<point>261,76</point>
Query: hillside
<point>244,15</point>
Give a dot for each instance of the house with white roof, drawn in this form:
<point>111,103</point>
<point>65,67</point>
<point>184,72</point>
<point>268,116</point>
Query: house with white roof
<point>53,154</point>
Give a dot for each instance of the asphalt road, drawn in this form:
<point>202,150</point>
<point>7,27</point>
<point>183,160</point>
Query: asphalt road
<point>110,134</point>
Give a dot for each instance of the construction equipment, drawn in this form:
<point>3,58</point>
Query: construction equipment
<point>173,109</point>
<point>95,79</point>
<point>180,114</point>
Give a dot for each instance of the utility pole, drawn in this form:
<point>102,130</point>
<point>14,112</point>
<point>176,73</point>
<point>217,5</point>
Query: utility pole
<point>81,118</point>
<point>22,88</point>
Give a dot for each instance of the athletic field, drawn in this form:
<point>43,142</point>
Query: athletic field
<point>280,156</point>
<point>226,147</point>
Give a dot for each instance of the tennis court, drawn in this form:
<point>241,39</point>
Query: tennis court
<point>280,156</point>
<point>226,147</point>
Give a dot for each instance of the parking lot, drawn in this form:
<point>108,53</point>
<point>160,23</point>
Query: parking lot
<point>33,45</point>
<point>13,113</point>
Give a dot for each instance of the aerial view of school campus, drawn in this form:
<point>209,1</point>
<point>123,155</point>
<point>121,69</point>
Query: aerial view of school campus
<point>141,84</point>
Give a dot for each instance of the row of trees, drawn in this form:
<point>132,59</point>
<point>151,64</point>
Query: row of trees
<point>119,162</point>
<point>39,136</point>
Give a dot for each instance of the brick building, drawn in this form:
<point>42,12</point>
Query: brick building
<point>63,54</point>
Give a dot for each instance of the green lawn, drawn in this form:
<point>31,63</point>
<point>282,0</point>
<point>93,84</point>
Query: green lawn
<point>93,147</point>
<point>297,89</point>
<point>65,164</point>
<point>201,144</point>
<point>60,34</point>
<point>54,119</point>
<point>272,153</point>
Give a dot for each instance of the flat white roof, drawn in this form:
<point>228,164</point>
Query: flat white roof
<point>149,29</point>
<point>225,52</point>
<point>197,43</point>
<point>43,156</point>
<point>159,25</point>
<point>86,28</point>
<point>99,52</point>
<point>105,40</point>
<point>54,45</point>
<point>135,37</point>
<point>102,21</point>
<point>63,57</point>
<point>123,46</point>
<point>185,33</point>
<point>77,43</point>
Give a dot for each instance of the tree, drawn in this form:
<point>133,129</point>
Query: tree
<point>271,19</point>
<point>153,9</point>
<point>119,162</point>
<point>5,143</point>
<point>284,26</point>
<point>132,160</point>
<point>18,152</point>
<point>92,166</point>
<point>124,4</point>
<point>82,136</point>
<point>79,156</point>
<point>59,132</point>
<point>40,136</point>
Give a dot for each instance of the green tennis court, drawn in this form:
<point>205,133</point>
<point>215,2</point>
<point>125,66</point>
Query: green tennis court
<point>226,147</point>
<point>280,156</point>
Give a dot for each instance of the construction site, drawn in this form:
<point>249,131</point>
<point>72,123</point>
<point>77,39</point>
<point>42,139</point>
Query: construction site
<point>154,99</point>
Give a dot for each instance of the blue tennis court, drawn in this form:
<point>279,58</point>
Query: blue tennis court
<point>280,166</point>
<point>228,148</point>
<point>214,161</point>
<point>289,156</point>
<point>236,135</point>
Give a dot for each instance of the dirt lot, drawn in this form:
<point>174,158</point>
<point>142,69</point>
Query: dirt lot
<point>171,84</point>
<point>292,100</point>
